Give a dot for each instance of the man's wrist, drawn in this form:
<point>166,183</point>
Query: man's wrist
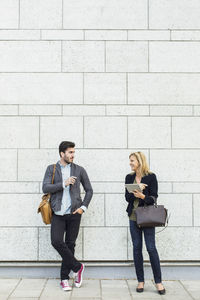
<point>83,207</point>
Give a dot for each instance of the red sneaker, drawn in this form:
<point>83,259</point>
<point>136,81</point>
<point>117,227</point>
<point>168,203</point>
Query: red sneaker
<point>79,276</point>
<point>65,285</point>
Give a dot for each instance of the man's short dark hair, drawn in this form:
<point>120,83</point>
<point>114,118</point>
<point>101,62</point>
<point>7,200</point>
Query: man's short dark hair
<point>65,145</point>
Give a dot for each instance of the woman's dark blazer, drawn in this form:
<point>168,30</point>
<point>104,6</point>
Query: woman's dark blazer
<point>150,192</point>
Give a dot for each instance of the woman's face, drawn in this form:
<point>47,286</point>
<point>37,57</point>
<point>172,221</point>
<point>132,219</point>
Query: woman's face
<point>134,163</point>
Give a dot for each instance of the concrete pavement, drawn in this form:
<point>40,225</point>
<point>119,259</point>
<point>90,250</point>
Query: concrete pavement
<point>49,289</point>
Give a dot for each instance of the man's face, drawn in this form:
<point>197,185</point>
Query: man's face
<point>68,156</point>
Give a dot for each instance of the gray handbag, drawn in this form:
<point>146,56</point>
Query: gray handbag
<point>151,215</point>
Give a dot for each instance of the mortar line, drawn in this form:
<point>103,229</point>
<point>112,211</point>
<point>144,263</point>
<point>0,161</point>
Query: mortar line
<point>62,15</point>
<point>108,29</point>
<point>93,29</point>
<point>61,56</point>
<point>126,88</point>
<point>171,124</point>
<point>104,198</point>
<point>83,131</point>
<point>148,56</point>
<point>38,244</point>
<point>149,156</point>
<point>19,8</point>
<point>193,210</point>
<point>114,149</point>
<point>104,56</point>
<point>127,124</point>
<point>83,83</point>
<point>102,72</point>
<point>39,131</point>
<point>17,165</point>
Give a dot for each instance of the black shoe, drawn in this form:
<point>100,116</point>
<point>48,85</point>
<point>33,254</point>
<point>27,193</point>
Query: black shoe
<point>139,290</point>
<point>162,292</point>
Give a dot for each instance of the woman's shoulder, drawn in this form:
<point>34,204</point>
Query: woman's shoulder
<point>151,176</point>
<point>130,176</point>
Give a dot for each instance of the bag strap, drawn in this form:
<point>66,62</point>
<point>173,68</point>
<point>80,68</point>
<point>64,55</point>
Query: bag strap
<point>165,226</point>
<point>54,170</point>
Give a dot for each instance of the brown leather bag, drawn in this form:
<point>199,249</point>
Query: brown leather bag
<point>151,215</point>
<point>45,206</point>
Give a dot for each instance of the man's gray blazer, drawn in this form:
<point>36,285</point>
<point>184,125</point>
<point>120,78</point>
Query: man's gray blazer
<point>56,189</point>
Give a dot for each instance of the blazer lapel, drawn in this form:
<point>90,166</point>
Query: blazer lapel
<point>72,170</point>
<point>134,177</point>
<point>59,170</point>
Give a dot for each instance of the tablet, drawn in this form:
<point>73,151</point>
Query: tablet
<point>133,186</point>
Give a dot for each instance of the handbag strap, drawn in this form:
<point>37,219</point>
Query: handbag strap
<point>165,226</point>
<point>54,170</point>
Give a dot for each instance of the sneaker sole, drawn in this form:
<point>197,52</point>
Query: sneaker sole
<point>78,285</point>
<point>66,289</point>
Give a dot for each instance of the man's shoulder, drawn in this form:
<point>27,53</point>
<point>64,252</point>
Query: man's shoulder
<point>51,166</point>
<point>75,166</point>
<point>78,167</point>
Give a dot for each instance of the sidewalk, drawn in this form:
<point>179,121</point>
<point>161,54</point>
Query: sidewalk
<point>48,289</point>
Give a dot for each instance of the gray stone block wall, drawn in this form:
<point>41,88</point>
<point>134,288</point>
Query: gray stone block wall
<point>114,77</point>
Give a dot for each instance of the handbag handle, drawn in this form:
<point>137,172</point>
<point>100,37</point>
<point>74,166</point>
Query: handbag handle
<point>155,201</point>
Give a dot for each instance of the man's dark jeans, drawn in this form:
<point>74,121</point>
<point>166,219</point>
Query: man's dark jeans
<point>149,236</point>
<point>70,224</point>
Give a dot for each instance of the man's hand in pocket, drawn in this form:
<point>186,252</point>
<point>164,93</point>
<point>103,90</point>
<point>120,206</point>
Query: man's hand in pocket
<point>78,211</point>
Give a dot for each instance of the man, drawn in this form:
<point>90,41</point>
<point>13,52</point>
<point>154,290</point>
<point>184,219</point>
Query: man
<point>67,207</point>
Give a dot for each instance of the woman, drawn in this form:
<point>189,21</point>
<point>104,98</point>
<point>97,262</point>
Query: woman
<point>149,186</point>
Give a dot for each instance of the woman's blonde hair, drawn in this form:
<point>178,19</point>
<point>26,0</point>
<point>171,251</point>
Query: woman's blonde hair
<point>143,165</point>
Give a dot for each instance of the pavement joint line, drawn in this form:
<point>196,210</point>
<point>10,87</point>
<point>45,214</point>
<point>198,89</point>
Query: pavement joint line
<point>186,289</point>
<point>100,288</point>
<point>20,279</point>
<point>43,288</point>
<point>70,296</point>
<point>129,289</point>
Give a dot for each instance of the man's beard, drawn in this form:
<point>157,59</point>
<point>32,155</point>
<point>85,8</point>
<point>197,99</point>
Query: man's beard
<point>66,160</point>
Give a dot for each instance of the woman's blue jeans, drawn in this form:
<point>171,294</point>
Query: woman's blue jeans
<point>149,236</point>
